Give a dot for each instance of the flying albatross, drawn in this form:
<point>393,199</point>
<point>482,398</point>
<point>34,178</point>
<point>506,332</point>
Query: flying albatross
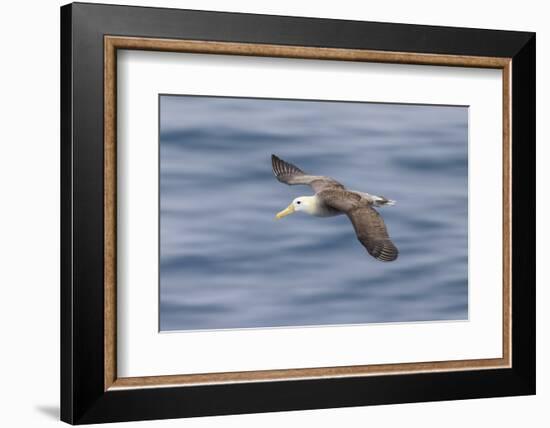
<point>332,198</point>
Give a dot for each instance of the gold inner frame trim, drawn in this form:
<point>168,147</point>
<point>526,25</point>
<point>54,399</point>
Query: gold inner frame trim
<point>113,43</point>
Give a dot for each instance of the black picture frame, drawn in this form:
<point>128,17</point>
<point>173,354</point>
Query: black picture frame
<point>83,398</point>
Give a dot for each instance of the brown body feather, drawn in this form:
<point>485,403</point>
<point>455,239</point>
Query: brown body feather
<point>368,223</point>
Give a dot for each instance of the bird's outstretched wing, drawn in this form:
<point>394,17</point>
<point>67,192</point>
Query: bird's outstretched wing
<point>290,174</point>
<point>371,232</point>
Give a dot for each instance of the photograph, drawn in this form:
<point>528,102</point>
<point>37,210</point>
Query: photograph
<point>295,213</point>
<point>267,211</point>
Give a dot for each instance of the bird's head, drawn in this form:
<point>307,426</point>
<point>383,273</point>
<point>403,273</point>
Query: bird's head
<point>302,203</point>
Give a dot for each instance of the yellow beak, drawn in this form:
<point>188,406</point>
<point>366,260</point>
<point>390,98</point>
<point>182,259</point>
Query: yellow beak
<point>288,210</point>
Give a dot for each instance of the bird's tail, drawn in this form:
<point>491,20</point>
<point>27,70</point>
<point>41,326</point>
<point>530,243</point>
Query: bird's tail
<point>380,201</point>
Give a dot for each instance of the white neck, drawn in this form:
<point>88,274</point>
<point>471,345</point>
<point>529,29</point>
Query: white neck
<point>315,207</point>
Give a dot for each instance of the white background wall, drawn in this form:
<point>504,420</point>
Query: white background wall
<point>29,213</point>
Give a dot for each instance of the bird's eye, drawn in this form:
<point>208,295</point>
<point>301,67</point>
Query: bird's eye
<point>298,202</point>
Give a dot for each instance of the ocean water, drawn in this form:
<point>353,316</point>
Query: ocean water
<point>225,262</point>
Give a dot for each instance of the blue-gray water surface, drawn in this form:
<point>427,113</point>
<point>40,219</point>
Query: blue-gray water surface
<point>225,262</point>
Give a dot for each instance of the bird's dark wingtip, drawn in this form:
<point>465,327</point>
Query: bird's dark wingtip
<point>275,161</point>
<point>284,168</point>
<point>388,253</point>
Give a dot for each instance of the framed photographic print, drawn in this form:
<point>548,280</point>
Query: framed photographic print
<point>265,213</point>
